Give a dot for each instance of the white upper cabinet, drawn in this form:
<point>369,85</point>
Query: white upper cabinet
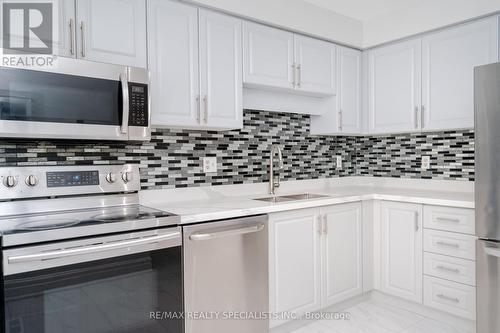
<point>173,63</point>
<point>277,59</point>
<point>112,31</point>
<point>221,70</point>
<point>448,61</point>
<point>196,67</point>
<point>349,91</point>
<point>315,65</point>
<point>267,56</point>
<point>401,250</point>
<point>394,87</point>
<point>63,42</point>
<point>343,259</point>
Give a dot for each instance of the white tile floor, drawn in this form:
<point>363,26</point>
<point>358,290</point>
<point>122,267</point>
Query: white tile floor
<point>372,317</point>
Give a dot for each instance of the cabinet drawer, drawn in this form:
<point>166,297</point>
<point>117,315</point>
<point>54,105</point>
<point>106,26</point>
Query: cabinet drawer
<point>450,219</point>
<point>449,243</point>
<point>450,268</point>
<point>452,297</point>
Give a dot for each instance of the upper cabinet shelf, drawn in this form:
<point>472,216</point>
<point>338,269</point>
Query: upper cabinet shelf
<point>277,59</point>
<point>427,84</point>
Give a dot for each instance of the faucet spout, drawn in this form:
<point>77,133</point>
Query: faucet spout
<point>274,182</point>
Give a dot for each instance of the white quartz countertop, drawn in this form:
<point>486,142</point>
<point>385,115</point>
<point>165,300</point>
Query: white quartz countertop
<point>222,202</point>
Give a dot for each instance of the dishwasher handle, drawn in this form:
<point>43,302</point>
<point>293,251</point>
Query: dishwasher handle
<point>201,236</point>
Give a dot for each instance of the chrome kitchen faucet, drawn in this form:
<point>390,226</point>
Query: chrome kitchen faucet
<point>274,182</point>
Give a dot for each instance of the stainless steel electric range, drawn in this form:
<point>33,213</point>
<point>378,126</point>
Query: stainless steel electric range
<point>80,254</point>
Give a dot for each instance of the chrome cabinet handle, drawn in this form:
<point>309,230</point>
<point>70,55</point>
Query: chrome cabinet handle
<point>227,233</point>
<point>341,120</point>
<point>444,268</point>
<point>416,117</point>
<point>198,109</point>
<point>205,104</point>
<point>299,76</point>
<point>448,219</point>
<point>320,224</point>
<point>92,249</point>
<point>325,224</point>
<point>448,298</point>
<point>422,116</point>
<point>294,72</point>
<point>71,37</point>
<point>455,245</point>
<point>125,96</point>
<point>82,31</point>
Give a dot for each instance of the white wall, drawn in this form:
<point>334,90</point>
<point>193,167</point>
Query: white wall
<point>295,15</point>
<point>423,16</point>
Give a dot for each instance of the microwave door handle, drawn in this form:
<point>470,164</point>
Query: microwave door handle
<point>126,105</point>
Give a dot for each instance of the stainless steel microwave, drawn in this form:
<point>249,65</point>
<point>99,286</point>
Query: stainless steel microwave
<point>76,99</point>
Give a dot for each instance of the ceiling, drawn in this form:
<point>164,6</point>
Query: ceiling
<point>363,10</point>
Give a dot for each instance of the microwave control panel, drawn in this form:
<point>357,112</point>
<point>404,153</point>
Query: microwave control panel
<point>138,107</point>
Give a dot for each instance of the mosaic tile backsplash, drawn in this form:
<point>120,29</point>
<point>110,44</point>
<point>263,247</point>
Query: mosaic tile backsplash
<point>173,157</point>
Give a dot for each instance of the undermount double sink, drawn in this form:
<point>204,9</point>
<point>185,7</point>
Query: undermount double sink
<point>295,197</point>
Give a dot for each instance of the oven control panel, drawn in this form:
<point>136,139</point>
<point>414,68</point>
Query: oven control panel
<point>55,181</point>
<point>138,106</point>
<point>72,178</point>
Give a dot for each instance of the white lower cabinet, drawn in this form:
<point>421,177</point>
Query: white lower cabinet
<point>455,298</point>
<point>294,262</point>
<point>401,250</point>
<point>342,253</point>
<point>315,258</point>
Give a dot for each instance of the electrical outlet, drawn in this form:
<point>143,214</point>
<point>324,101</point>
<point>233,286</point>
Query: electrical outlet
<point>338,162</point>
<point>426,163</point>
<point>209,164</point>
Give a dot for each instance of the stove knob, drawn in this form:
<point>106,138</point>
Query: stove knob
<point>111,178</point>
<point>9,181</point>
<point>31,180</point>
<point>127,176</point>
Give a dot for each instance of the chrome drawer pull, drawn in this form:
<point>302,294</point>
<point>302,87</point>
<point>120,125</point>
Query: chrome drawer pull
<point>448,298</point>
<point>444,268</point>
<point>455,245</point>
<point>448,219</point>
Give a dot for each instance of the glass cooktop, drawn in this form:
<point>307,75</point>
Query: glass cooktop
<point>81,223</point>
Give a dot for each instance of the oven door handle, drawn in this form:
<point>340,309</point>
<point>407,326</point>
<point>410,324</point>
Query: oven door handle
<point>84,250</point>
<point>125,102</point>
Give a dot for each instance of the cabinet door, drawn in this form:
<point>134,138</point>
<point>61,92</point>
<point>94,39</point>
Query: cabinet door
<point>267,57</point>
<point>342,253</point>
<point>173,63</point>
<point>394,87</point>
<point>112,31</point>
<point>221,70</point>
<point>63,11</point>
<point>401,253</point>
<point>294,262</point>
<point>349,89</point>
<point>316,66</point>
<point>448,61</point>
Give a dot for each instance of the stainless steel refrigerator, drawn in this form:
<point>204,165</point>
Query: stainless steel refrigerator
<point>487,196</point>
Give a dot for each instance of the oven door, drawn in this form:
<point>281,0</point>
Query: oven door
<point>76,99</point>
<point>121,283</point>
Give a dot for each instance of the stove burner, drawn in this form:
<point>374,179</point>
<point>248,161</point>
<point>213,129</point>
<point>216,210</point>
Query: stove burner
<point>44,224</point>
<point>120,215</point>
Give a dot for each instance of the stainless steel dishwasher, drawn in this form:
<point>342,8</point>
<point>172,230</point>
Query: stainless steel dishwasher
<point>226,276</point>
